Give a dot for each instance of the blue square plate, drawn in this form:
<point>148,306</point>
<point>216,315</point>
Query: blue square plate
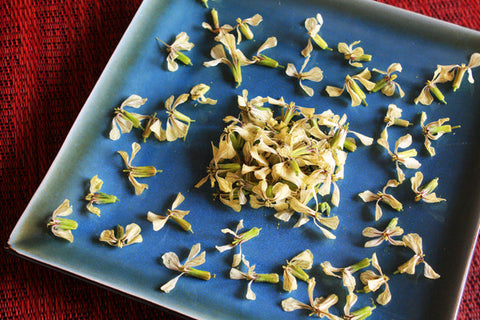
<point>391,35</point>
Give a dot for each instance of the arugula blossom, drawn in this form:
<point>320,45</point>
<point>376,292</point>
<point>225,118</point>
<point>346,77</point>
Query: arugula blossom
<point>318,306</point>
<point>381,196</point>
<point>414,242</point>
<point>174,214</point>
<point>197,93</point>
<point>194,259</point>
<point>154,125</point>
<point>440,75</point>
<point>360,314</point>
<point>315,74</point>
<point>405,157</point>
<point>243,27</point>
<point>126,120</point>
<point>353,56</point>
<point>386,84</point>
<point>393,117</point>
<point>374,282</point>
<point>96,197</point>
<point>295,269</point>
<point>62,227</point>
<point>137,172</point>
<point>215,27</point>
<point>177,123</point>
<point>458,71</point>
<point>434,131</point>
<point>392,230</point>
<point>356,94</point>
<point>175,51</point>
<point>251,276</point>
<point>262,59</point>
<point>238,240</point>
<point>425,193</point>
<point>313,26</point>
<point>120,237</point>
<point>238,59</point>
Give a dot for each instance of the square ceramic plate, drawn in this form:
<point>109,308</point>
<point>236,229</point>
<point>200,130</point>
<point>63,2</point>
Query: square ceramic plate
<point>449,228</point>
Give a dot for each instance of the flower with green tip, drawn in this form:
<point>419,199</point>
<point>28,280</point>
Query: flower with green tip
<point>390,231</point>
<point>356,93</point>
<point>194,259</point>
<point>353,56</point>
<point>237,58</point>
<point>173,213</point>
<point>154,125</point>
<point>215,26</point>
<point>122,237</point>
<point>238,240</point>
<point>243,27</point>
<point>262,59</point>
<point>313,26</point>
<point>251,276</point>
<point>62,227</point>
<point>382,196</point>
<point>434,131</point>
<point>387,84</point>
<point>177,123</point>
<point>137,172</point>
<point>127,120</point>
<point>442,74</point>
<point>295,269</point>
<point>392,118</point>
<point>405,157</point>
<point>96,197</point>
<point>374,282</point>
<point>175,49</point>
<point>425,193</point>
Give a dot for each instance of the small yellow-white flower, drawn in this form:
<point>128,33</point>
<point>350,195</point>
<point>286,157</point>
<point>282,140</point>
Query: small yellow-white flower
<point>197,93</point>
<point>194,259</point>
<point>251,276</point>
<point>295,269</point>
<point>154,125</point>
<point>262,59</point>
<point>425,192</point>
<point>442,74</point>
<point>173,213</point>
<point>405,157</point>
<point>237,57</point>
<point>390,231</point>
<point>175,49</point>
<point>346,274</point>
<point>243,27</point>
<point>137,172</point>
<point>392,118</point>
<point>462,68</point>
<point>315,74</point>
<point>177,123</point>
<point>96,197</point>
<point>373,282</point>
<point>62,227</point>
<point>381,196</point>
<point>127,120</point>
<point>318,306</point>
<point>122,237</point>
<point>238,239</point>
<point>356,94</point>
<point>414,242</point>
<point>434,131</point>
<point>215,26</point>
<point>386,84</point>
<point>313,26</point>
<point>353,56</point>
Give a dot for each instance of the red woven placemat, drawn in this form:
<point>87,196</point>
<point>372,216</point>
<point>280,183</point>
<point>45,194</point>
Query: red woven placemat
<point>52,53</point>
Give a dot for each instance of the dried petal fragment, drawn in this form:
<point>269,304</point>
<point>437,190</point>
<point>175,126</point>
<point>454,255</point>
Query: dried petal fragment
<point>197,93</point>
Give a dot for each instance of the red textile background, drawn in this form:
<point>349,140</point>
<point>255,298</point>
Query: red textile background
<point>52,53</point>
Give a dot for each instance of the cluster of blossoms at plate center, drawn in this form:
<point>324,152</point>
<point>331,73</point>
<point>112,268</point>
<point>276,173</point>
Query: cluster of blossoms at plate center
<point>281,162</point>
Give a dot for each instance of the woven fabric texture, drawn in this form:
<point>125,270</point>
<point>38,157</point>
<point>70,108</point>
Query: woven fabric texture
<point>52,54</point>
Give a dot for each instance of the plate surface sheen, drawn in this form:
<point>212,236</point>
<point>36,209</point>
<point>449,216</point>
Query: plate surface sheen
<point>391,35</point>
